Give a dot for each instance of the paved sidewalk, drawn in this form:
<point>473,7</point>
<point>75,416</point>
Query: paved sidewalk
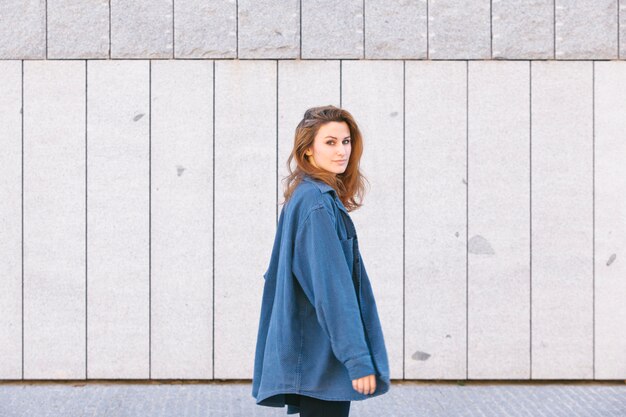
<point>211,398</point>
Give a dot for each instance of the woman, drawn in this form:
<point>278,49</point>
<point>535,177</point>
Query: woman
<point>320,344</point>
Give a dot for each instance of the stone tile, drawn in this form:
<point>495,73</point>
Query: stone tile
<point>25,36</point>
<point>586,29</point>
<point>395,29</point>
<point>205,29</point>
<point>78,29</point>
<point>141,29</point>
<point>269,29</point>
<point>459,29</point>
<point>523,29</point>
<point>332,29</point>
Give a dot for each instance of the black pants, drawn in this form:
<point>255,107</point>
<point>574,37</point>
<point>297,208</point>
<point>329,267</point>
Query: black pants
<point>314,407</point>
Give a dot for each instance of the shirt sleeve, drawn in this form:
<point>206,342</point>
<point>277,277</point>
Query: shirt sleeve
<point>320,266</point>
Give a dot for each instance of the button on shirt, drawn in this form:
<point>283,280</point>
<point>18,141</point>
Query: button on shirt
<point>319,327</point>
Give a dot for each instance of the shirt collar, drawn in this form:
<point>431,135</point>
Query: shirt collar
<point>319,184</point>
<point>325,188</point>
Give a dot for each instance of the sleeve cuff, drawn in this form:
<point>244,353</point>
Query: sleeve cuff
<point>360,366</point>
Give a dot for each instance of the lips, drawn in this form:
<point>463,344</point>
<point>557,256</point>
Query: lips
<point>342,161</point>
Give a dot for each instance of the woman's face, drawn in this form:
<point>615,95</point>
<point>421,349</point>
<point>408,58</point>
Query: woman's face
<point>331,147</point>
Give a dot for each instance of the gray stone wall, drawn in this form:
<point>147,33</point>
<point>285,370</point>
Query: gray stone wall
<point>305,29</point>
<point>144,142</point>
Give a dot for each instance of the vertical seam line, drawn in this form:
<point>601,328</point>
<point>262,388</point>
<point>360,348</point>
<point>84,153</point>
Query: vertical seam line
<point>213,237</point>
<point>340,82</point>
<point>530,214</point>
<point>150,219</point>
<point>593,211</point>
<point>22,208</point>
<point>403,219</point>
<point>277,139</point>
<point>554,29</point>
<point>109,29</point>
<point>491,29</point>
<point>466,219</point>
<point>46,28</point>
<point>86,224</point>
<point>363,36</point>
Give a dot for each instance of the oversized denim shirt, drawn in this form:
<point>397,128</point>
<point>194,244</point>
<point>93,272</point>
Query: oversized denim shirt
<point>319,327</point>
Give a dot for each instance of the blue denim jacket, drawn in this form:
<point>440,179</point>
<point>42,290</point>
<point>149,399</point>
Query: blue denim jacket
<point>319,327</point>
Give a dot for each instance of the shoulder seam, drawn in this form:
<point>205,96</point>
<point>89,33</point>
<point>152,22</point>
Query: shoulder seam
<point>318,206</point>
<point>296,237</point>
<point>311,210</point>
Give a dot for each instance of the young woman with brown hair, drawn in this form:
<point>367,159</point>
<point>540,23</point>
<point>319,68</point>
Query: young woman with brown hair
<point>320,344</point>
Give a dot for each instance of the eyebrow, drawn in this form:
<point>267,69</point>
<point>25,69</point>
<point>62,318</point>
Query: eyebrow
<point>335,137</point>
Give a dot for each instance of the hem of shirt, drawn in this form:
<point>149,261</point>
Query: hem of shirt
<point>314,394</point>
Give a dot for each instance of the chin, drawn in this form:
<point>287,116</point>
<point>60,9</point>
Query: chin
<point>335,170</point>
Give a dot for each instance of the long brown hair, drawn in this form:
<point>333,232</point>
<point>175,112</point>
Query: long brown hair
<point>349,185</point>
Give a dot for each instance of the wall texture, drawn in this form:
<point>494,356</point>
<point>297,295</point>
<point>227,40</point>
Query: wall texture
<point>313,29</point>
<point>139,193</point>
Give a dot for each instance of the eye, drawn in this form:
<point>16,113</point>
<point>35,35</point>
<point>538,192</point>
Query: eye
<point>347,141</point>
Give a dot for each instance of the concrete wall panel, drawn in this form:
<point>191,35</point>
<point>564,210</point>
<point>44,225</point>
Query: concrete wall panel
<point>610,220</point>
<point>499,220</point>
<point>562,220</point>
<point>245,196</point>
<point>54,230</point>
<point>182,219</point>
<point>435,187</point>
<point>11,220</point>
<point>118,218</point>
